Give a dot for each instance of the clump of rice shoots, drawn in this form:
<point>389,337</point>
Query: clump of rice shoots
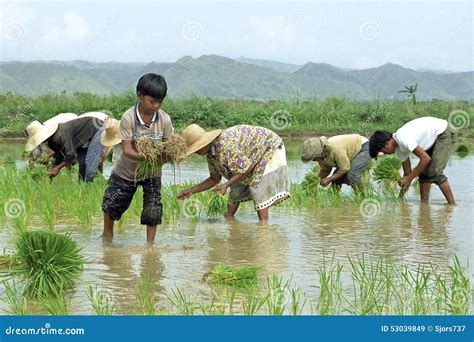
<point>217,205</point>
<point>224,274</point>
<point>8,261</point>
<point>38,172</point>
<point>154,151</point>
<point>311,181</point>
<point>387,172</point>
<point>48,263</point>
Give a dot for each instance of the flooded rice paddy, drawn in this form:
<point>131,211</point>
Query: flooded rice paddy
<point>294,244</point>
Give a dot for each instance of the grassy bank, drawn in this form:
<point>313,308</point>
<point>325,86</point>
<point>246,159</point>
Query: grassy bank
<point>290,118</point>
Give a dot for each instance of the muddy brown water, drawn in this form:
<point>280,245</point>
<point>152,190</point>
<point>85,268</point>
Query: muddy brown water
<point>293,245</point>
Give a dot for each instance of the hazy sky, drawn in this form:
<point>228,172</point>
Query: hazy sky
<point>424,34</point>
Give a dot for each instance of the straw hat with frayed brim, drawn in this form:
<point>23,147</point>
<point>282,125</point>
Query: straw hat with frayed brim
<point>196,137</point>
<point>110,136</point>
<point>312,148</point>
<point>38,133</point>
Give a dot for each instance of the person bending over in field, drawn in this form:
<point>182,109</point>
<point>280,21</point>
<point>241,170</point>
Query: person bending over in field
<point>431,140</point>
<point>251,158</point>
<point>347,154</point>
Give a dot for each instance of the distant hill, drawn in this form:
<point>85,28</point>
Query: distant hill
<point>221,77</point>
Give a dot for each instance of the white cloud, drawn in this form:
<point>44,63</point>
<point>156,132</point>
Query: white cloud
<point>73,29</point>
<point>270,34</point>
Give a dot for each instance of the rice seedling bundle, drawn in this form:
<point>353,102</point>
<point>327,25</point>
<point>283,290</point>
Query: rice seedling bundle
<point>387,172</point>
<point>224,274</point>
<point>38,173</point>
<point>48,263</point>
<point>152,151</point>
<point>310,181</point>
<point>217,205</point>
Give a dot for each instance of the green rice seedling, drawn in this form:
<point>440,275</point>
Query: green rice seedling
<point>100,301</point>
<point>276,292</point>
<point>387,172</point>
<point>20,222</point>
<point>146,299</point>
<point>368,285</point>
<point>216,206</point>
<point>38,173</point>
<point>330,293</point>
<point>57,305</point>
<point>49,263</point>
<point>297,301</point>
<point>48,211</point>
<point>311,181</point>
<point>7,262</point>
<point>222,302</point>
<point>14,299</point>
<point>181,302</point>
<point>224,274</point>
<point>86,205</point>
<point>252,302</point>
<point>459,292</point>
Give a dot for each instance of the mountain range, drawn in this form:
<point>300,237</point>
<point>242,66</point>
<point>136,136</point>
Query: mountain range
<point>222,77</point>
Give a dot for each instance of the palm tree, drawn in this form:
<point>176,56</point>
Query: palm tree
<point>411,91</point>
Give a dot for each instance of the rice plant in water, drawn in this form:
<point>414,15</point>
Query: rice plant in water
<point>100,301</point>
<point>216,206</point>
<point>14,298</point>
<point>145,297</point>
<point>57,305</point>
<point>182,302</point>
<point>48,263</point>
<point>224,274</point>
<point>387,172</point>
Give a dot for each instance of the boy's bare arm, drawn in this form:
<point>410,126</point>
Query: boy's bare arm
<point>406,167</point>
<point>129,150</point>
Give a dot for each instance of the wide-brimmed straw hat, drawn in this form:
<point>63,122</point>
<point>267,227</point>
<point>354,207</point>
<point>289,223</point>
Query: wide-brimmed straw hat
<point>61,118</point>
<point>97,115</point>
<point>312,148</point>
<point>196,137</point>
<point>110,136</point>
<point>38,133</point>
